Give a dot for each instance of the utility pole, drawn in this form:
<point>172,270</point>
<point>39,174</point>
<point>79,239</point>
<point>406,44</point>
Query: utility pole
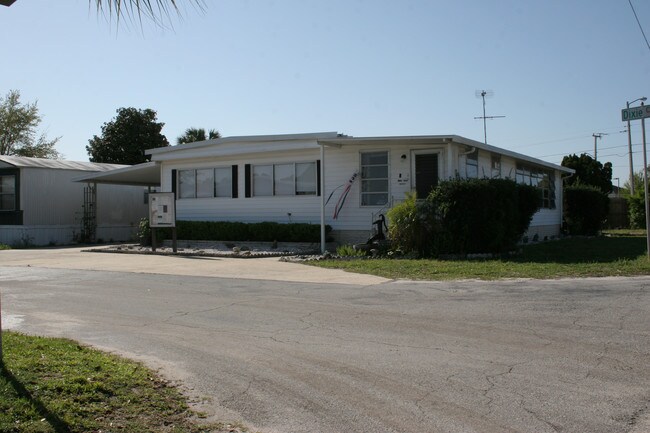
<point>629,144</point>
<point>596,136</point>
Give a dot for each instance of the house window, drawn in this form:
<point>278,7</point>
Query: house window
<point>496,166</point>
<point>306,182</point>
<point>187,183</point>
<point>374,178</point>
<point>285,179</point>
<point>7,193</point>
<point>205,182</point>
<point>262,180</point>
<point>542,179</point>
<point>223,182</point>
<point>471,164</point>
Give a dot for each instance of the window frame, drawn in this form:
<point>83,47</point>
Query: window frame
<point>363,194</point>
<point>495,166</point>
<point>14,193</point>
<point>274,181</point>
<point>473,157</point>
<point>541,178</point>
<point>212,182</point>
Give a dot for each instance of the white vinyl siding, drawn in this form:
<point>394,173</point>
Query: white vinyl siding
<point>374,178</point>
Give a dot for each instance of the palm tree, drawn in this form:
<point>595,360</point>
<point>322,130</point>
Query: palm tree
<point>197,134</point>
<point>153,9</point>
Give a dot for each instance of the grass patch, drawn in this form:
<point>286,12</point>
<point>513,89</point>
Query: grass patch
<point>616,254</point>
<point>56,385</point>
<point>4,247</point>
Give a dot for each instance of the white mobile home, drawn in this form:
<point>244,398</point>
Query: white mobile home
<point>41,204</point>
<point>343,181</point>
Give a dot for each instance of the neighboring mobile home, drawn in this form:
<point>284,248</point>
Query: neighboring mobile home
<point>343,181</point>
<point>41,204</point>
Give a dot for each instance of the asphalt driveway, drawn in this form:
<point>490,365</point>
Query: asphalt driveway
<point>375,356</point>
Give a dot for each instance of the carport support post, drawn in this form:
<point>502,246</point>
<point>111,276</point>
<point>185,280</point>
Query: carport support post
<point>322,198</point>
<point>645,189</point>
<point>153,239</point>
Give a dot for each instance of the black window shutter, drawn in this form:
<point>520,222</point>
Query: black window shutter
<point>235,182</point>
<point>174,182</point>
<point>247,180</point>
<point>318,178</point>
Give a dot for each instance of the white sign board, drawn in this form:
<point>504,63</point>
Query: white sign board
<point>162,209</point>
<point>635,113</point>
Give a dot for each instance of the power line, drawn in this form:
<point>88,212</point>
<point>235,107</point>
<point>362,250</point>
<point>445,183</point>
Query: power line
<point>639,23</point>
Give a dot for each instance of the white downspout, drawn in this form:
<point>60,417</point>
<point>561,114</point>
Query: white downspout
<point>322,198</point>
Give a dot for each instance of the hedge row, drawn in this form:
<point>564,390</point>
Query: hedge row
<point>464,216</point>
<point>585,209</point>
<point>237,231</point>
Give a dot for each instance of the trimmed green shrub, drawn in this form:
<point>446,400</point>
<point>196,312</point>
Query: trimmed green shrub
<point>413,226</point>
<point>636,209</point>
<point>585,209</point>
<point>463,216</point>
<point>237,231</point>
<point>483,215</point>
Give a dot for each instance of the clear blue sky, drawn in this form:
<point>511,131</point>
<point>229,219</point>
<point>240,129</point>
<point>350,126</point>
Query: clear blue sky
<point>560,70</point>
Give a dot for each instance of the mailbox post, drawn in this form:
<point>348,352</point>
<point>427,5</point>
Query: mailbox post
<point>162,213</point>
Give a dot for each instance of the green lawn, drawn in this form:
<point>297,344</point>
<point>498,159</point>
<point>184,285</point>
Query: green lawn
<point>56,385</point>
<point>619,253</point>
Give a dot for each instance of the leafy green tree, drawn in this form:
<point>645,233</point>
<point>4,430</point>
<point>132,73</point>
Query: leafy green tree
<point>18,123</point>
<point>197,134</point>
<point>125,138</point>
<point>589,172</point>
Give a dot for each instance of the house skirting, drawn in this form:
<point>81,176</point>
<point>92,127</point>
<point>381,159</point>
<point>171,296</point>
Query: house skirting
<point>40,235</point>
<point>542,232</point>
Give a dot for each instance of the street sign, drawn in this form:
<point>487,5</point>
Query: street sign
<point>635,113</point>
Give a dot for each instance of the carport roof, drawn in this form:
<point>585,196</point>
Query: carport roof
<point>145,174</point>
<point>58,164</point>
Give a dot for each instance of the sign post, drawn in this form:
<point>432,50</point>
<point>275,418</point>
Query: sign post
<point>636,113</point>
<point>162,213</point>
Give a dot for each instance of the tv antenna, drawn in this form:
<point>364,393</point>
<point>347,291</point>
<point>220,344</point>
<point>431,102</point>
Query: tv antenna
<point>483,94</point>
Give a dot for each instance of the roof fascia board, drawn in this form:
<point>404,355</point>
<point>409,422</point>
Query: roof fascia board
<point>235,150</point>
<point>511,154</point>
<point>242,139</point>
